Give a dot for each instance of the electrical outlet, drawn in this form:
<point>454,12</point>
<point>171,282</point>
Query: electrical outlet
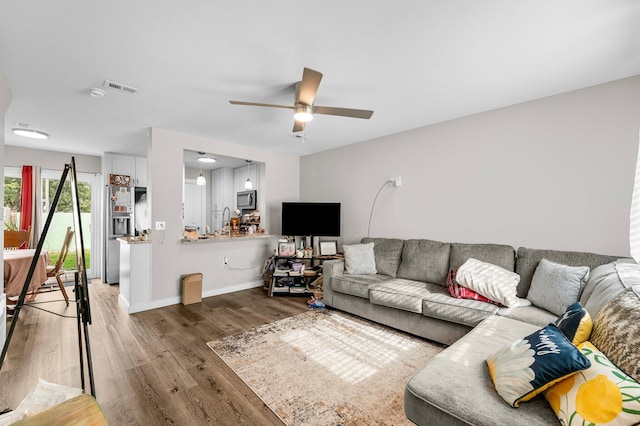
<point>395,180</point>
<point>161,226</point>
<point>225,260</point>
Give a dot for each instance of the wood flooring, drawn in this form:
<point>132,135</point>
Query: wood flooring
<point>150,368</point>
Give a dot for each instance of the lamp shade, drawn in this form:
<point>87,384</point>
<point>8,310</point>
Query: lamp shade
<point>201,180</point>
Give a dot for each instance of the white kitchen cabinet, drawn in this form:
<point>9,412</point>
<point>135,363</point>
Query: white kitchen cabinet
<point>135,267</point>
<point>141,172</point>
<point>119,164</point>
<point>222,194</point>
<point>128,165</point>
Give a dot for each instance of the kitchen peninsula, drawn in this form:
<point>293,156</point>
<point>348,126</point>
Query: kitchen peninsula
<point>135,266</point>
<point>225,238</point>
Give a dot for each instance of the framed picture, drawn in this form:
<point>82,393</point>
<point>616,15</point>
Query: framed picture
<point>286,249</point>
<point>328,248</point>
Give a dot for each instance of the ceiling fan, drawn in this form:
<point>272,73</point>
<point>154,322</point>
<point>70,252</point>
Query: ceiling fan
<point>304,109</point>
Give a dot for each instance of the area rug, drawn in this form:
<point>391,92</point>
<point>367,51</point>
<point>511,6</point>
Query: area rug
<point>327,368</point>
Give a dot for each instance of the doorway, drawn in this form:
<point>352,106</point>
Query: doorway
<point>89,200</point>
<point>194,206</point>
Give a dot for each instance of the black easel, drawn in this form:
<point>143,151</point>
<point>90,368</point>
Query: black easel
<point>83,308</point>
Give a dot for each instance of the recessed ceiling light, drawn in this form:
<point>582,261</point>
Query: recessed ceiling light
<point>34,134</point>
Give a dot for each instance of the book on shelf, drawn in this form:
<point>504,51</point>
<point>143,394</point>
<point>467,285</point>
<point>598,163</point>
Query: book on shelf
<point>296,289</point>
<point>284,289</point>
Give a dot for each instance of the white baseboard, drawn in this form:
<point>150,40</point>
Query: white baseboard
<point>140,307</point>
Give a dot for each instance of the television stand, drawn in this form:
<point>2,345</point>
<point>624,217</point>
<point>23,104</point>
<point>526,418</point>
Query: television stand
<point>285,280</point>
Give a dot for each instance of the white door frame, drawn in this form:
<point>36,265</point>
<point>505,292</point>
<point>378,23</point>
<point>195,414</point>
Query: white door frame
<point>93,271</point>
<point>203,207</point>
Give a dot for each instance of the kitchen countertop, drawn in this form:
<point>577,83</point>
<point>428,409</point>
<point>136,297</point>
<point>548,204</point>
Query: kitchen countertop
<point>225,238</point>
<point>133,240</point>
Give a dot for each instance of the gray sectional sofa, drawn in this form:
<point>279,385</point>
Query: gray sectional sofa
<point>409,292</point>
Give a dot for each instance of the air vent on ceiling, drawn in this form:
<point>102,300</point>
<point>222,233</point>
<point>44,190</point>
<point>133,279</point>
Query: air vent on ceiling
<point>119,86</point>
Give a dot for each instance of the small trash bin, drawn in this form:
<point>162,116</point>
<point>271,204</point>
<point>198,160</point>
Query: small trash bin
<point>192,288</point>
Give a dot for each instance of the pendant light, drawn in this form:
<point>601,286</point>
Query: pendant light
<point>248,184</point>
<point>201,180</point>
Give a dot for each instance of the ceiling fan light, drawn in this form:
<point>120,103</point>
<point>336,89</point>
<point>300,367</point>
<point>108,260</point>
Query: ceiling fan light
<point>201,180</point>
<point>34,134</point>
<point>303,114</point>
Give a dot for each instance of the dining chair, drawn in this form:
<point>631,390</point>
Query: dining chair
<point>14,240</point>
<point>56,270</point>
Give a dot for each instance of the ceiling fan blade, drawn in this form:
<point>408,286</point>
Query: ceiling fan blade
<point>343,112</point>
<point>308,86</point>
<point>298,126</point>
<point>259,104</point>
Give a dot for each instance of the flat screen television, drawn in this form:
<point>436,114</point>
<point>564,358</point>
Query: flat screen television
<point>311,219</point>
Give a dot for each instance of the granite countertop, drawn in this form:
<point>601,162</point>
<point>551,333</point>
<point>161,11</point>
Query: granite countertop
<point>133,240</point>
<point>225,238</point>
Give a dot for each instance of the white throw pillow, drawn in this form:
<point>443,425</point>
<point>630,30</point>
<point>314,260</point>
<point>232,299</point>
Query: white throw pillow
<point>359,259</point>
<point>491,281</point>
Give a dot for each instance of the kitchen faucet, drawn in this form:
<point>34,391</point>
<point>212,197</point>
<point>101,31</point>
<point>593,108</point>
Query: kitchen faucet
<point>227,209</point>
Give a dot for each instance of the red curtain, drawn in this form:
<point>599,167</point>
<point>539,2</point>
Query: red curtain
<point>26,198</point>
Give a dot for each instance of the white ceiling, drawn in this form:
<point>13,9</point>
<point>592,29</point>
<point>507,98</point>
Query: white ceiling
<point>414,62</point>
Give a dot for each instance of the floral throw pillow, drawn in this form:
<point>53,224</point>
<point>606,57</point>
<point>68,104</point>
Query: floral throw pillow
<point>602,394</point>
<point>460,292</point>
<point>528,366</point>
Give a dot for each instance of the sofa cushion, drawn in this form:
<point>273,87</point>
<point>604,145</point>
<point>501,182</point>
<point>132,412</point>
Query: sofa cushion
<point>491,281</point>
<point>439,304</point>
<point>554,286</point>
<point>616,332</point>
<point>402,294</point>
<point>359,259</point>
<point>356,285</point>
<point>527,260</point>
<point>606,282</point>
<point>529,314</point>
<point>526,367</point>
<point>502,255</point>
<point>429,399</point>
<point>601,394</point>
<point>425,260</point>
<point>387,252</point>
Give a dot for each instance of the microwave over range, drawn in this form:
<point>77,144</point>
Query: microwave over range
<point>247,200</point>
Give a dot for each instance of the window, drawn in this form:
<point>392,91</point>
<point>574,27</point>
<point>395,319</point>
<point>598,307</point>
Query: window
<point>11,210</point>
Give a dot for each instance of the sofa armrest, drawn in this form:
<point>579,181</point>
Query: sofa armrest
<point>330,269</point>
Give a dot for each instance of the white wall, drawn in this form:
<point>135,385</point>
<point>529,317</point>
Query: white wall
<point>5,101</point>
<point>552,173</point>
<point>170,257</point>
<point>50,160</point>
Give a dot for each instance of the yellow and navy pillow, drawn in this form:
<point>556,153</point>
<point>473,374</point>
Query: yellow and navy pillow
<point>575,323</point>
<point>530,365</point>
<point>602,394</point>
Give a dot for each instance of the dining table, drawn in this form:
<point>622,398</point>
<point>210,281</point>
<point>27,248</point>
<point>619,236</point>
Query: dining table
<point>16,269</point>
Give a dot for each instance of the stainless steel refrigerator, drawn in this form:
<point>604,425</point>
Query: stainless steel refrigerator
<point>119,223</point>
